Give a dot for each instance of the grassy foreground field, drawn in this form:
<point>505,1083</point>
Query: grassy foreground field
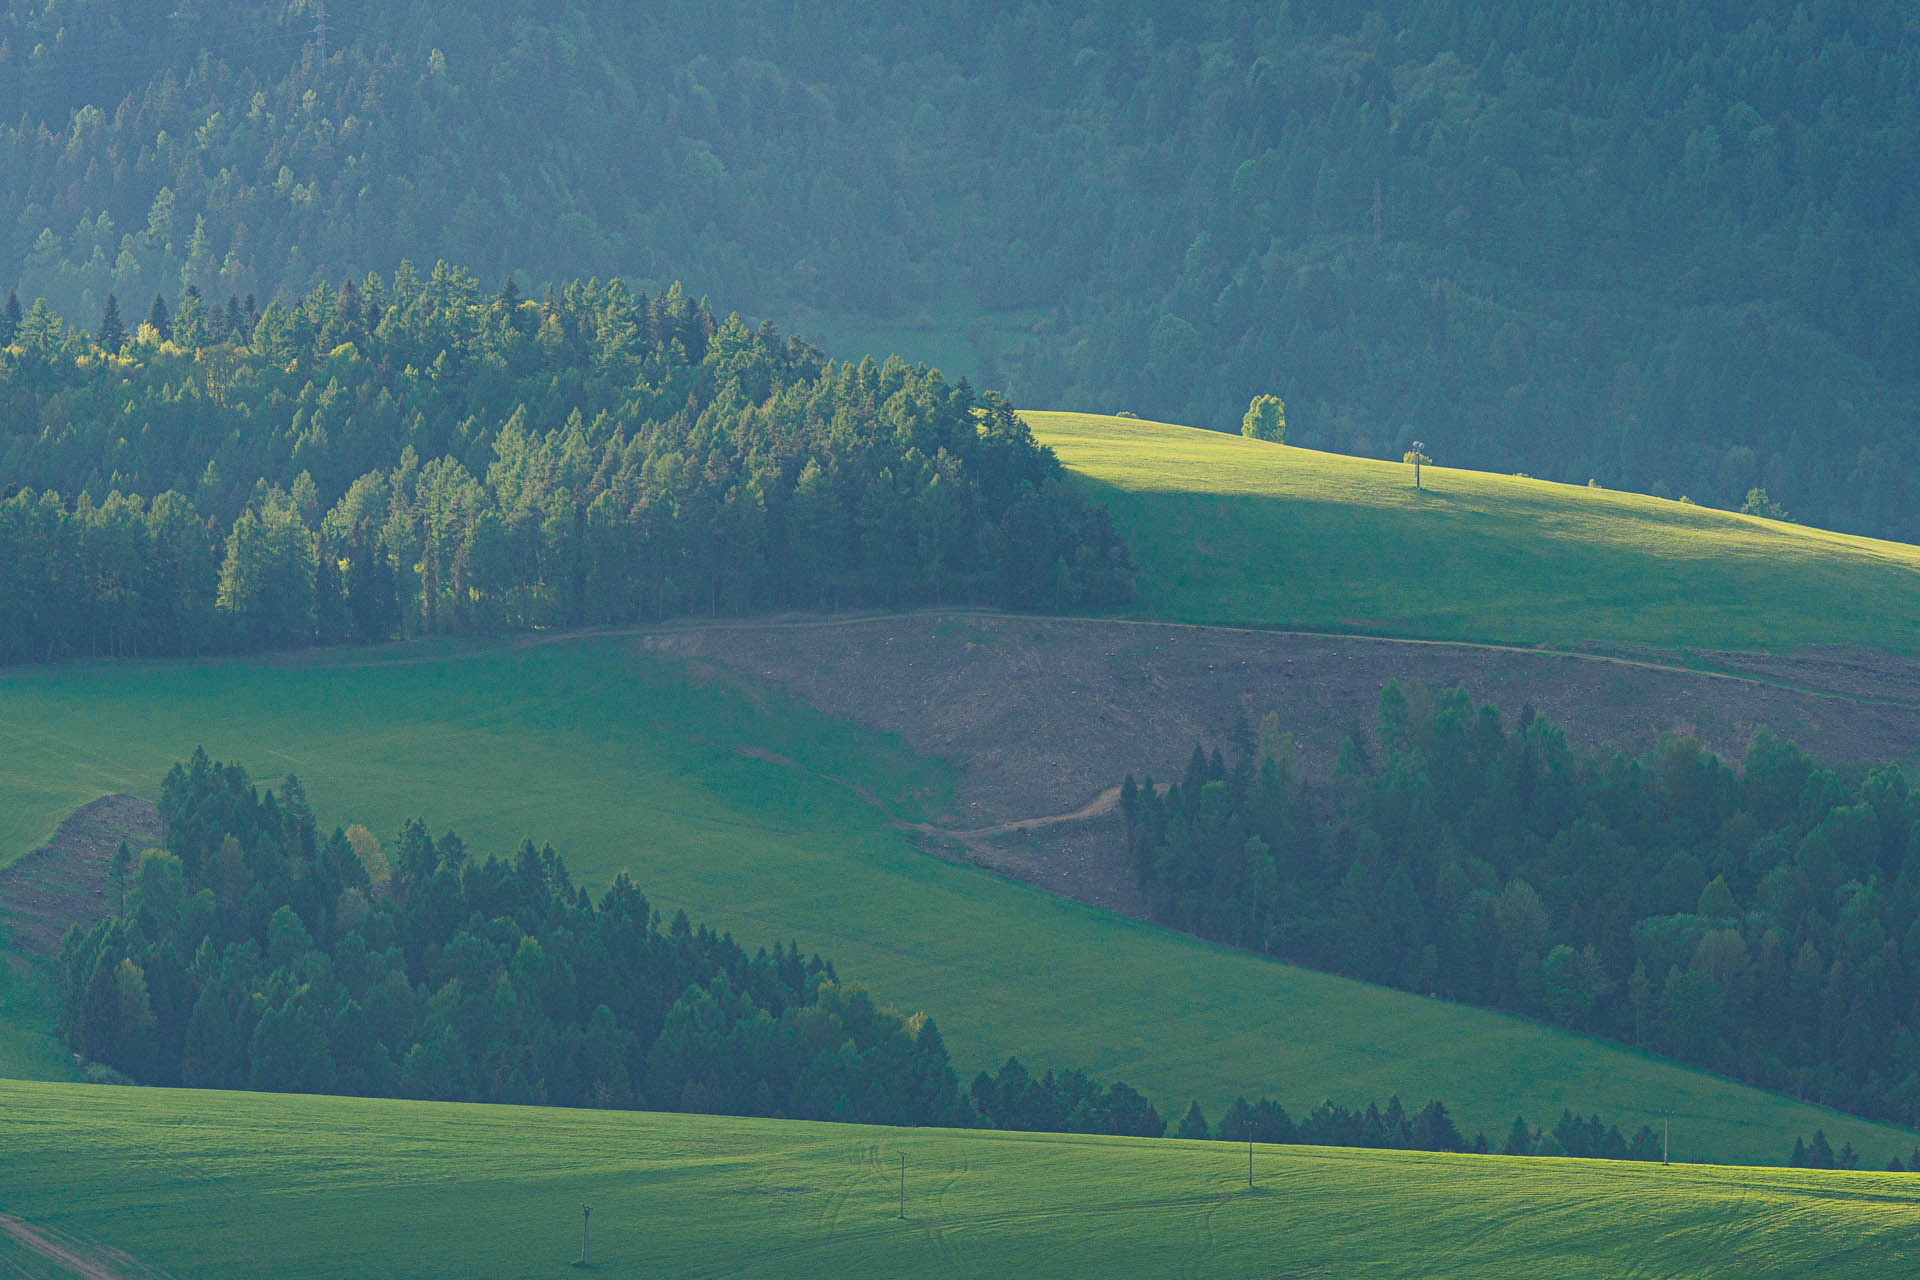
<point>1229,530</point>
<point>209,1184</point>
<point>628,760</point>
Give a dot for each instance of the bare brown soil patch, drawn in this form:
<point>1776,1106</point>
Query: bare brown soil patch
<point>67,881</point>
<point>1041,716</point>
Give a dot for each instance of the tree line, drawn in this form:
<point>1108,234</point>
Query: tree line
<point>1762,922</point>
<point>250,952</point>
<point>413,456</point>
<point>1819,1154</point>
<point>1068,1102</point>
<point>1665,246</point>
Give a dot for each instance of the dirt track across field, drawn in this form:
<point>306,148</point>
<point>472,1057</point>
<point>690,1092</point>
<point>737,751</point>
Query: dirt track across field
<point>74,1256</point>
<point>1041,717</point>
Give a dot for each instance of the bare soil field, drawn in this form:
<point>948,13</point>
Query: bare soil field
<point>1040,716</point>
<point>67,881</point>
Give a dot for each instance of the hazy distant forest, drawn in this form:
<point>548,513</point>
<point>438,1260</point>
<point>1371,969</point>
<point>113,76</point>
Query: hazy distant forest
<point>1672,248</point>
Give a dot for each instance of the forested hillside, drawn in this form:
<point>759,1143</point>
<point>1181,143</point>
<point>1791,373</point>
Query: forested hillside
<point>1763,923</point>
<point>1674,249</point>
<point>253,953</point>
<point>415,456</point>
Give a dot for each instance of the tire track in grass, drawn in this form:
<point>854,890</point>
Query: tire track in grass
<point>89,1260</point>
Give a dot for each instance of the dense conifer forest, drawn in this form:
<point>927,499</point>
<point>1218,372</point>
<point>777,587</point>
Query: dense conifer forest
<point>418,456</point>
<point>1762,922</point>
<point>1676,249</point>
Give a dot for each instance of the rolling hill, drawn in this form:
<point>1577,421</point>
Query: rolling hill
<point>740,805</point>
<point>1236,531</point>
<point>210,1184</point>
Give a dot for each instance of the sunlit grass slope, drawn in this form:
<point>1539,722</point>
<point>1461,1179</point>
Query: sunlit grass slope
<point>1239,531</point>
<point>214,1185</point>
<point>627,760</point>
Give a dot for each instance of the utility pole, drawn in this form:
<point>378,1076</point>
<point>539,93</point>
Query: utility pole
<point>586,1216</point>
<point>903,1186</point>
<point>1249,1164</point>
<point>1665,1148</point>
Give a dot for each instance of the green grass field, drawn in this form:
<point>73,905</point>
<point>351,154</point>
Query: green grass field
<point>211,1185</point>
<point>627,760</point>
<point>1238,531</point>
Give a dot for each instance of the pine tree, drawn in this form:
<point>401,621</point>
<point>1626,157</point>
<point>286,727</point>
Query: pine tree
<point>1519,1139</point>
<point>113,333</point>
<point>1194,1124</point>
<point>1819,1152</point>
<point>158,317</point>
<point>1434,1130</point>
<point>1270,1122</point>
<point>190,324</point>
<point>1237,1124</point>
<point>10,319</point>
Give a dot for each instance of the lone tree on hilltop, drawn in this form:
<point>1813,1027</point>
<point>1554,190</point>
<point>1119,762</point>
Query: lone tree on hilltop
<point>1417,456</point>
<point>1759,504</point>
<point>1266,419</point>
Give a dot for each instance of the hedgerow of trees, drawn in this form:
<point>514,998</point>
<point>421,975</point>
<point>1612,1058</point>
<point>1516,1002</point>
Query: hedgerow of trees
<point>414,456</point>
<point>1763,922</point>
<point>1668,246</point>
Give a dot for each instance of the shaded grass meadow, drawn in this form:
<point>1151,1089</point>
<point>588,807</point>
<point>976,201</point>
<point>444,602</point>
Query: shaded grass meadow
<point>214,1185</point>
<point>625,759</point>
<point>1242,532</point>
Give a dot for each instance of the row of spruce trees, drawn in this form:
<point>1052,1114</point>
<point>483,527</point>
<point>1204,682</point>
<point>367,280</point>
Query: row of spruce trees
<point>414,456</point>
<point>1763,922</point>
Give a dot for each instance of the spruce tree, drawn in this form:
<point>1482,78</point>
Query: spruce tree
<point>1237,1124</point>
<point>113,333</point>
<point>1819,1152</point>
<point>158,317</point>
<point>9,319</point>
<point>1519,1139</point>
<point>1194,1125</point>
<point>190,322</point>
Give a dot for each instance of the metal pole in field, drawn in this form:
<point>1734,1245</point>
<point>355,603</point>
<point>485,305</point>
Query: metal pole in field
<point>1665,1138</point>
<point>586,1215</point>
<point>903,1186</point>
<point>1249,1163</point>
